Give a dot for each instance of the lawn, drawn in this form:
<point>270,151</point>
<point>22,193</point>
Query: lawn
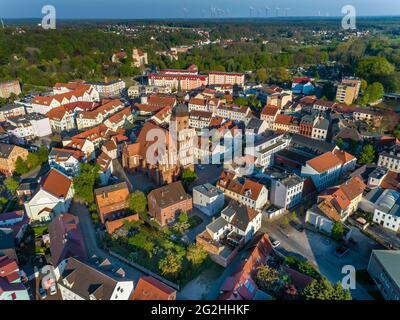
<point>147,247</point>
<point>194,221</point>
<point>40,230</point>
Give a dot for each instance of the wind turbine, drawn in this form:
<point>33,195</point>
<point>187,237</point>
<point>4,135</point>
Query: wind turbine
<point>185,12</point>
<point>251,9</point>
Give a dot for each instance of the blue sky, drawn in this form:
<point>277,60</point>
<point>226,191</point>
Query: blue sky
<point>135,9</point>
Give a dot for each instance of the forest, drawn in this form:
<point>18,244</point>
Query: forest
<point>269,50</point>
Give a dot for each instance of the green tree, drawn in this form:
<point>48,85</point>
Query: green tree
<point>21,166</point>
<point>170,265</point>
<point>396,132</point>
<point>196,254</point>
<point>138,202</point>
<point>323,290</point>
<point>340,143</point>
<point>11,184</point>
<point>188,176</point>
<point>183,223</point>
<point>267,278</point>
<point>371,68</point>
<point>367,154</point>
<point>374,92</point>
<point>85,182</point>
<point>261,75</point>
<point>337,231</point>
<point>3,202</point>
<point>364,85</point>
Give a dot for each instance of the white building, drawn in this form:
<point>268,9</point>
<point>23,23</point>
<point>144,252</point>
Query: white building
<point>234,112</point>
<point>30,126</point>
<point>265,148</point>
<point>286,190</point>
<point>387,210</point>
<point>390,159</point>
<point>237,223</point>
<point>68,161</point>
<point>80,280</point>
<point>53,196</point>
<point>208,199</point>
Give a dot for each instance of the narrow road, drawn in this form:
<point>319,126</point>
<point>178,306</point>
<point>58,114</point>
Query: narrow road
<point>92,247</point>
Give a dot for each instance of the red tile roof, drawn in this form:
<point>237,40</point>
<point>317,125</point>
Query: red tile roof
<point>324,162</point>
<point>149,288</point>
<point>57,183</point>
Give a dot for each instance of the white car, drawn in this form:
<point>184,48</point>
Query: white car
<point>276,243</point>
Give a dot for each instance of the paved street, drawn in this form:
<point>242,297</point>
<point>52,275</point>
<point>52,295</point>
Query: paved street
<point>319,250</point>
<point>89,236</point>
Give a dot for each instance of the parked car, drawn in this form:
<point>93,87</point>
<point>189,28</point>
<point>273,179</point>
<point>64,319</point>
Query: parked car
<point>341,251</point>
<point>275,243</point>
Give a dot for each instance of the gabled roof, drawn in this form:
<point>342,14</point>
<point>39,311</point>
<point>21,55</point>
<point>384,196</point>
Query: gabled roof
<point>149,288</point>
<point>57,184</point>
<point>324,162</point>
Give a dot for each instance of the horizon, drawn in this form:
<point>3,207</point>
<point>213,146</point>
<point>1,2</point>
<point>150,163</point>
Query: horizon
<point>188,10</point>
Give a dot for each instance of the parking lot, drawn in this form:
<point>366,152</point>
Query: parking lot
<point>320,250</point>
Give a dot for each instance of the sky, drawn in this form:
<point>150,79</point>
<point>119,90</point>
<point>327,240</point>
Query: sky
<point>147,9</point>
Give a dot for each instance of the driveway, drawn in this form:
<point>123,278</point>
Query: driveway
<point>319,250</point>
<point>92,247</point>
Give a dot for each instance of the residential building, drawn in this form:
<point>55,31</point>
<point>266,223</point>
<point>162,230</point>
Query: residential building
<point>383,267</point>
<point>387,209</point>
<point>11,287</point>
<point>286,189</point>
<point>320,129</point>
<point>204,104</point>
<point>62,118</point>
<point>199,119</point>
<point>208,199</point>
<point>324,170</point>
<point>43,104</point>
<point>106,168</point>
<point>16,221</point>
<point>237,224</point>
<point>323,105</point>
<point>112,89</point>
<point>218,78</point>
<point>67,161</point>
<point>120,119</point>
<point>7,88</point>
<point>8,156</point>
<point>390,159</point>
<point>154,103</point>
<point>269,114</point>
<point>247,192</point>
<point>112,202</point>
<point>234,112</point>
<point>30,126</point>
<point>80,280</point>
<point>118,56</point>
<point>149,288</point>
<point>286,123</point>
<point>256,127</point>
<point>336,204</point>
<point>302,85</point>
<point>7,243</point>
<point>266,147</point>
<point>348,91</point>
<point>97,116</point>
<point>167,202</point>
<point>139,58</point>
<point>11,111</point>
<point>52,197</point>
<point>66,238</point>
